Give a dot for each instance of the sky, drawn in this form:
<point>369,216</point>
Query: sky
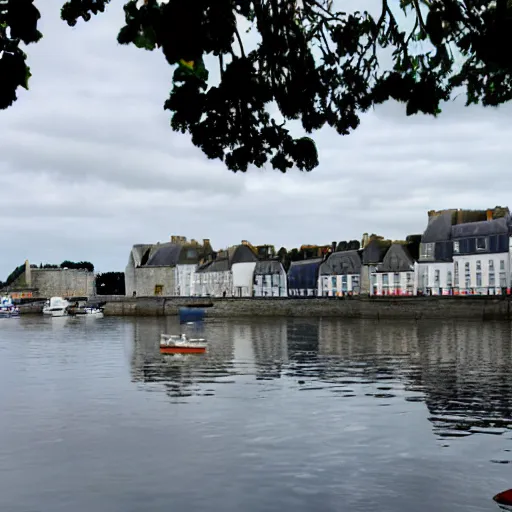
<point>89,165</point>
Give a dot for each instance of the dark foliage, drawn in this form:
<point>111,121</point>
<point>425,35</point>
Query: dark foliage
<point>110,283</point>
<point>320,67</point>
<point>80,265</point>
<point>17,272</point>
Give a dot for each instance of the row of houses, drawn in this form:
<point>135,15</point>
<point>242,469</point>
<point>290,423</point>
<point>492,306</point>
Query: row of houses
<point>462,252</point>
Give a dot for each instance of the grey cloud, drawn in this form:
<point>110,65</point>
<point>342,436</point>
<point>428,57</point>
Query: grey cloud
<point>89,164</point>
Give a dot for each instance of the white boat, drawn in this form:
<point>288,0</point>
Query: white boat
<point>96,312</point>
<point>7,308</point>
<point>56,306</point>
<point>173,343</point>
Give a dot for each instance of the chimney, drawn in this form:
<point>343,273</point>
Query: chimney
<point>333,246</point>
<point>365,240</point>
<point>489,214</point>
<point>206,241</point>
<point>173,239</point>
<point>28,274</point>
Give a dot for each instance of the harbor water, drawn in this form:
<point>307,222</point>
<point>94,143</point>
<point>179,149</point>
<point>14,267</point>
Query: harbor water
<point>279,415</point>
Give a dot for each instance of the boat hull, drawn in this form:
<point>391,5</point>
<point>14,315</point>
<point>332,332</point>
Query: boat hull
<point>182,350</point>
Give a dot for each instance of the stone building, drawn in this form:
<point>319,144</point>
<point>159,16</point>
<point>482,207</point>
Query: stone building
<point>395,275</point>
<point>165,268</point>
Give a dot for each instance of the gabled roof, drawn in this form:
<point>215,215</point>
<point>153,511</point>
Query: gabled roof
<point>397,259</point>
<point>268,267</point>
<point>341,263</point>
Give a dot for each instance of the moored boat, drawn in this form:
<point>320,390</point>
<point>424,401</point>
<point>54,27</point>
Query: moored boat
<point>181,344</point>
<point>7,308</point>
<point>56,306</point>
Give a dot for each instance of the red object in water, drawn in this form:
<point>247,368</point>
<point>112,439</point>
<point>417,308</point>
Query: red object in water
<point>504,498</point>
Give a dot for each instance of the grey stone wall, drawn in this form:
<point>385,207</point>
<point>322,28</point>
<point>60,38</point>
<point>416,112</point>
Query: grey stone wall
<point>412,308</point>
<point>145,279</point>
<point>57,282</point>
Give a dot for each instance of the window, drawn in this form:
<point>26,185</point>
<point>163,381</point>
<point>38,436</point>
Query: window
<point>333,282</point>
<point>344,283</point>
<point>385,280</point>
<point>191,253</point>
<point>503,280</point>
<point>396,279</point>
<point>502,264</point>
<point>492,280</point>
<point>456,273</point>
<point>437,275</point>
<point>481,244</point>
<point>159,288</point>
<point>426,251</point>
<point>456,247</point>
<point>449,279</point>
<point>467,275</point>
<point>478,265</point>
<point>491,265</point>
<point>355,283</point>
<point>479,279</point>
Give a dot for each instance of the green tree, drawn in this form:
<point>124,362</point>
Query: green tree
<point>319,66</point>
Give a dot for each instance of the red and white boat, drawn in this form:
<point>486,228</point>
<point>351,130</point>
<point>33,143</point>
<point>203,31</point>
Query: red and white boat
<point>181,344</point>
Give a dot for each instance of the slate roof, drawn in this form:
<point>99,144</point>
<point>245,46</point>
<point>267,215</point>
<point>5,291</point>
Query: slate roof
<point>484,228</point>
<point>268,267</point>
<point>341,263</point>
<point>397,259</point>
<point>439,228</point>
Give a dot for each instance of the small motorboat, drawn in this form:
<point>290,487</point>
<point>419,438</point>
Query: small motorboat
<point>8,309</point>
<point>56,306</point>
<point>181,344</point>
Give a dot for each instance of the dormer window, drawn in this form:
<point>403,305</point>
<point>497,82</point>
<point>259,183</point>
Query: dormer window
<point>481,244</point>
<point>456,247</point>
<point>426,251</point>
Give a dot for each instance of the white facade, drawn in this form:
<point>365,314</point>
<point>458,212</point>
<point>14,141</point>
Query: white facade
<point>392,283</point>
<point>271,285</point>
<point>213,284</point>
<point>243,278</point>
<point>335,286</point>
<point>434,278</point>
<point>481,274</point>
<point>184,279</point>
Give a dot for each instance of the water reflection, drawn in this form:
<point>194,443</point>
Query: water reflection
<point>459,370</point>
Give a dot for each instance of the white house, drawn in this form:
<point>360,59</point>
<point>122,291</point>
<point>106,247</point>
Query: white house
<point>340,274</point>
<point>434,273</point>
<point>242,260</point>
<point>481,256</point>
<point>270,279</point>
<point>213,279</point>
<point>395,275</point>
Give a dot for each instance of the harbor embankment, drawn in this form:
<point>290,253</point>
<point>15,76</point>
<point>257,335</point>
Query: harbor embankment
<point>415,308</point>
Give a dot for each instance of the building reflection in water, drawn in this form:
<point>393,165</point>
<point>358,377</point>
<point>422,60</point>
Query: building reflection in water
<point>464,373</point>
<point>460,370</point>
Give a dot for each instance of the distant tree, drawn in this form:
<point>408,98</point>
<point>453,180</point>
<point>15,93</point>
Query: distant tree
<point>319,66</point>
<point>110,283</point>
<point>81,265</point>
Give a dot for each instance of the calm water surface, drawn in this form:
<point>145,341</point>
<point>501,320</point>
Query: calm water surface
<point>279,415</point>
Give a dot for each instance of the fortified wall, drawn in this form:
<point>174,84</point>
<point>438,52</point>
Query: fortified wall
<point>44,283</point>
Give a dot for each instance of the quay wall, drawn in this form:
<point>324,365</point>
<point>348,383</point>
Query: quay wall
<point>414,308</point>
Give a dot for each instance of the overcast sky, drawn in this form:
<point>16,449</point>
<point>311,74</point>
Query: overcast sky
<point>89,165</point>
